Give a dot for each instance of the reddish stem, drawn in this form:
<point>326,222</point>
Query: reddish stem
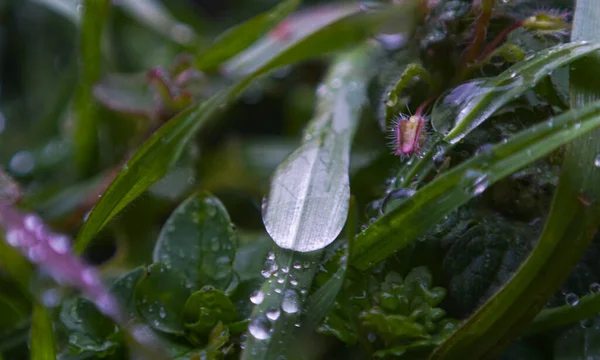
<point>496,42</point>
<point>423,105</point>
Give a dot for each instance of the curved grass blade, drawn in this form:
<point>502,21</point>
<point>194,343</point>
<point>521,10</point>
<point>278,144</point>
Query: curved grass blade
<point>307,204</point>
<point>85,132</point>
<point>236,39</point>
<point>548,319</point>
<point>152,160</point>
<point>472,103</point>
<point>574,219</point>
<point>42,343</point>
<point>429,205</point>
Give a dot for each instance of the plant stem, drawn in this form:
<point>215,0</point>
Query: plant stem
<point>496,42</point>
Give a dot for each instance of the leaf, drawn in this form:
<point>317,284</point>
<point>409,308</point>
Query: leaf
<point>42,344</point>
<point>129,94</point>
<point>160,298</point>
<point>88,329</point>
<point>307,204</point>
<point>239,37</point>
<point>467,106</point>
<point>85,131</point>
<point>152,160</point>
<point>569,230</point>
<point>429,205</point>
<point>198,241</point>
<point>124,289</point>
<point>587,307</point>
<point>16,265</point>
<point>578,342</point>
<point>205,308</point>
<point>341,26</point>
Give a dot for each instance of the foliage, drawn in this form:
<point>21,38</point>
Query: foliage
<point>224,172</point>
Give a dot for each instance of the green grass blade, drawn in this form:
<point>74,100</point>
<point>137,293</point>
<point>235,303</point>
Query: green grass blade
<point>152,160</point>
<point>42,343</point>
<point>236,39</point>
<point>574,219</point>
<point>548,319</point>
<point>469,105</point>
<point>429,205</point>
<point>85,133</point>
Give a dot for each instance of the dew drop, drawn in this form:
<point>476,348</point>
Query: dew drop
<point>594,288</point>
<point>280,280</point>
<point>291,301</point>
<point>257,297</point>
<point>162,313</point>
<point>273,314</point>
<point>294,282</point>
<point>571,299</point>
<point>597,161</point>
<point>260,327</point>
<point>476,182</point>
<point>297,266</point>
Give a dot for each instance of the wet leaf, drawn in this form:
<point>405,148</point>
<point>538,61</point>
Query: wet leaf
<point>153,159</point>
<point>160,297</point>
<point>88,329</point>
<point>236,39</point>
<point>43,342</point>
<point>205,308</point>
<point>198,241</point>
<point>307,204</point>
<point>124,288</point>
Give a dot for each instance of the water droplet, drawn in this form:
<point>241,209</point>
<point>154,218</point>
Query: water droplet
<point>297,266</point>
<point>22,163</point>
<point>260,327</point>
<point>476,182</point>
<point>586,323</point>
<point>402,193</point>
<point>571,299</point>
<point>290,302</point>
<point>162,313</point>
<point>594,288</point>
<point>257,297</point>
<point>265,273</point>
<point>285,269</point>
<point>273,314</point>
<point>59,243</point>
<point>597,161</point>
<point>294,282</point>
<point>271,256</point>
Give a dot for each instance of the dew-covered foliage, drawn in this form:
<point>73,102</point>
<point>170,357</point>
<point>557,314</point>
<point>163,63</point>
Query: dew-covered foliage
<point>394,179</point>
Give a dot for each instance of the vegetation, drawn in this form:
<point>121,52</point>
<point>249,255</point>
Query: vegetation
<point>410,179</point>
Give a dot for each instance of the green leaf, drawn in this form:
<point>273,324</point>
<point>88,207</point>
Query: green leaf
<point>307,204</point>
<point>198,241</point>
<point>153,159</point>
<point>587,307</point>
<point>205,308</point>
<point>88,329</point>
<point>571,225</point>
<point>42,344</point>
<point>85,133</point>
<point>236,39</point>
<point>160,297</point>
<point>578,342</point>
<point>338,27</point>
<point>123,289</point>
<point>16,265</point>
<point>429,205</point>
<point>464,108</point>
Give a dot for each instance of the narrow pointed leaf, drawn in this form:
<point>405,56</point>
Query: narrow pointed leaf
<point>573,221</point>
<point>429,205</point>
<point>236,39</point>
<point>307,204</point>
<point>152,160</point>
<point>43,342</point>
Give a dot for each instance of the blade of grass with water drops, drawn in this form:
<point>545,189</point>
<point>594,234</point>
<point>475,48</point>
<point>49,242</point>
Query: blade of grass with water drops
<point>42,342</point>
<point>464,108</point>
<point>574,219</point>
<point>152,160</point>
<point>307,205</point>
<point>236,39</point>
<point>429,205</point>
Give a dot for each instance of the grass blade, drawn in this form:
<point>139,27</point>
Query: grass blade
<point>42,340</point>
<point>236,39</point>
<point>95,14</point>
<point>152,160</point>
<point>574,219</point>
<point>429,205</point>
